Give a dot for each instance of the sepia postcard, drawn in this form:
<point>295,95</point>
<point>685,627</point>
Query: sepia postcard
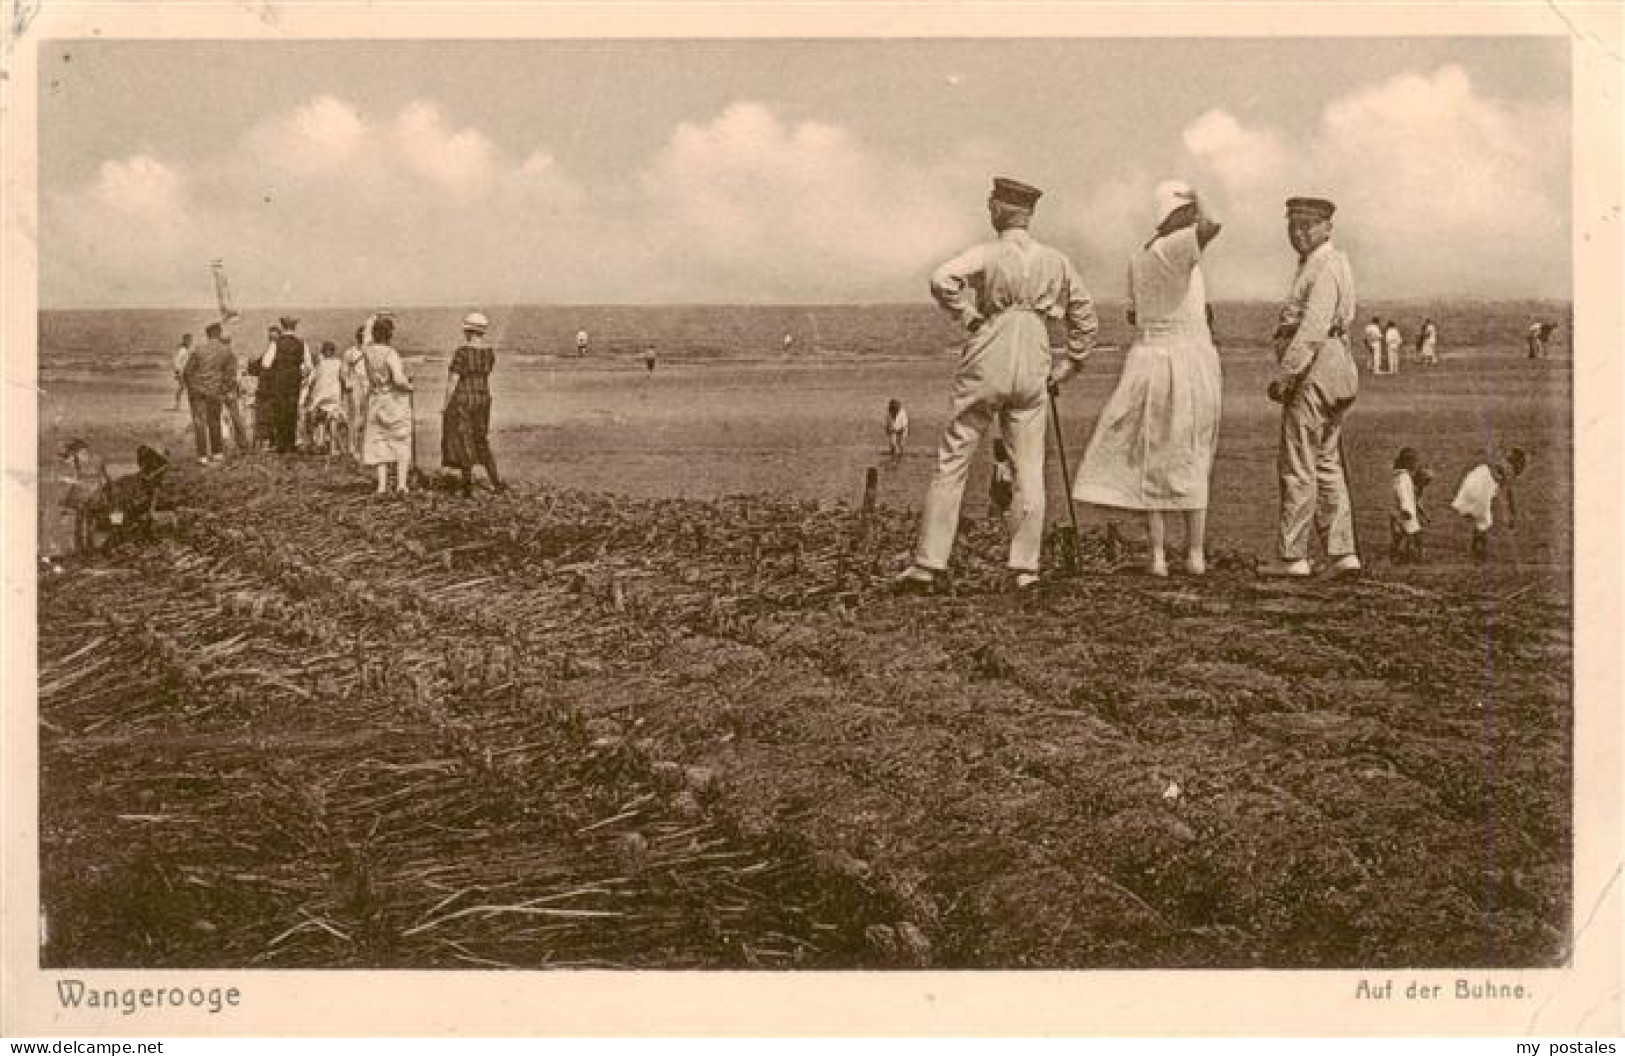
<point>811,519</point>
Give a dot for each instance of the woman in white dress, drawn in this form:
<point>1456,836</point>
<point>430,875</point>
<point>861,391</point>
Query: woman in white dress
<point>353,372</point>
<point>1153,443</point>
<point>389,408</point>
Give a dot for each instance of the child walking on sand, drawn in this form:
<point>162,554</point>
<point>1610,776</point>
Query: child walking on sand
<point>896,428</point>
<point>1404,518</point>
<point>1475,499</point>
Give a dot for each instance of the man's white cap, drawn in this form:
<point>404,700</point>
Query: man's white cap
<point>477,322</point>
<point>1170,195</point>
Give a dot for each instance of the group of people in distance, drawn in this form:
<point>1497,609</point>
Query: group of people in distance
<point>1154,440</point>
<point>1384,344</point>
<point>358,403</point>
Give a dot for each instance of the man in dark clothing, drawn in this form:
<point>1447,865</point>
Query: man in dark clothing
<point>282,379</point>
<point>210,376</point>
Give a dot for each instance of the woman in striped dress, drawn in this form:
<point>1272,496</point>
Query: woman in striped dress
<point>466,425</point>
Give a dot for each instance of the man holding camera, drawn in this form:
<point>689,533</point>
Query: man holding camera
<point>1315,384</point>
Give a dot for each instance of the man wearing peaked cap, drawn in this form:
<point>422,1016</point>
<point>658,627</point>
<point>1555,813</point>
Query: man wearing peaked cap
<point>1315,384</point>
<point>1016,193</point>
<point>1002,291</point>
<point>1316,208</point>
<point>285,369</point>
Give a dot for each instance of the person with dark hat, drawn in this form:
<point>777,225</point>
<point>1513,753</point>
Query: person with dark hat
<point>211,377</point>
<point>1315,384</point>
<point>1003,292</point>
<point>281,379</point>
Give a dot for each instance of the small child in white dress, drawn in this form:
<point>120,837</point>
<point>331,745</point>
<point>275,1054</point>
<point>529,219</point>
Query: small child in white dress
<point>1475,499</point>
<point>1404,517</point>
<point>896,427</point>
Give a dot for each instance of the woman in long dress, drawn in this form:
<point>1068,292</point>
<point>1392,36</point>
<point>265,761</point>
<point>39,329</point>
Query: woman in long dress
<point>389,409</point>
<point>353,372</point>
<point>1152,447</point>
<point>465,434</point>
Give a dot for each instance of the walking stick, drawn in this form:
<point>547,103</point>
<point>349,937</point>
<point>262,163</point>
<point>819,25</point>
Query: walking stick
<point>1348,488</point>
<point>1070,561</point>
<point>414,474</point>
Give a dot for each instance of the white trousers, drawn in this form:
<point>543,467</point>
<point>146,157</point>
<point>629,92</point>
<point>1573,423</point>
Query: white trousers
<point>1004,375</point>
<point>1314,492</point>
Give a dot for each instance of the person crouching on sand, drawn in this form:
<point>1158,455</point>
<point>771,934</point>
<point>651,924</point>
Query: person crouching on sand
<point>1476,498</point>
<point>389,409</point>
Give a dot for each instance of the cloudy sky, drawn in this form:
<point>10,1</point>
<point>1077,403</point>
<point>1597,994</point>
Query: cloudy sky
<point>402,172</point>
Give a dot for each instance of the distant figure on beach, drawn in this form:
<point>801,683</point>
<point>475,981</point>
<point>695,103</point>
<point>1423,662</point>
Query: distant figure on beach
<point>581,342</point>
<point>324,401</point>
<point>649,359</point>
<point>182,354</point>
<point>1480,489</point>
<point>1427,343</point>
<point>1315,384</point>
<point>389,407</point>
<point>1002,488</point>
<point>1002,292</point>
<point>1373,343</point>
<point>1392,342</point>
<point>210,375</point>
<point>465,434</point>
<point>283,375</point>
<point>1404,519</point>
<point>1539,337</point>
<point>789,340</point>
<point>353,377</point>
<point>896,428</point>
<point>1153,444</point>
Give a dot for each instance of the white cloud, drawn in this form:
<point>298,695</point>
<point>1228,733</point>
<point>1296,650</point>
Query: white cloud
<point>330,126</point>
<point>141,186</point>
<point>463,162</point>
<point>324,135</point>
<point>775,209</point>
<point>1242,158</point>
<point>1427,163</point>
<point>1439,189</point>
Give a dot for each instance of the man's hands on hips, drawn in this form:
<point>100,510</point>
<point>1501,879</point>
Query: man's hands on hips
<point>1282,389</point>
